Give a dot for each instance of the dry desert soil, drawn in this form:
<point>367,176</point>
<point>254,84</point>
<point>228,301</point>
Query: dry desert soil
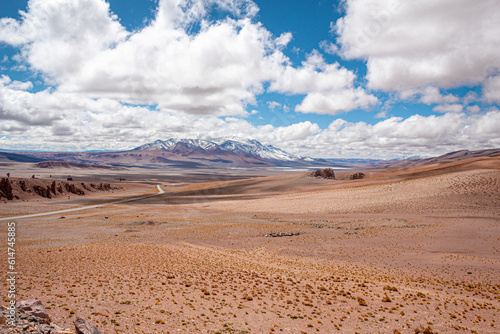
<point>412,250</point>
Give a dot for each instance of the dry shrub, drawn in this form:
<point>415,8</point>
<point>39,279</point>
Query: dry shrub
<point>362,302</point>
<point>426,330</point>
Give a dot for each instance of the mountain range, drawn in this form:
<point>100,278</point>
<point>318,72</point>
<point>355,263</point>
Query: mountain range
<point>218,153</point>
<point>195,153</point>
<point>240,147</point>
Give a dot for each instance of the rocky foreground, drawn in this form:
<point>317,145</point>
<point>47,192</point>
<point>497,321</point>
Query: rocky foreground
<point>30,316</point>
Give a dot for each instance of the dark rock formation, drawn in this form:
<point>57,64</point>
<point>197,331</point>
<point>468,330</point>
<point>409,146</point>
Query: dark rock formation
<point>53,187</point>
<point>11,188</point>
<point>101,186</point>
<point>84,186</point>
<point>23,186</point>
<point>357,176</point>
<point>6,189</point>
<point>34,307</point>
<point>41,191</point>
<point>326,173</point>
<point>82,326</point>
<point>71,188</point>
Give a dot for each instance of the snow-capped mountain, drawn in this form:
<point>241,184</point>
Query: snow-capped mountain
<point>170,143</point>
<point>235,150</point>
<point>252,146</point>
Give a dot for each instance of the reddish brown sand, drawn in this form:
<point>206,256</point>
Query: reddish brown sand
<point>399,251</point>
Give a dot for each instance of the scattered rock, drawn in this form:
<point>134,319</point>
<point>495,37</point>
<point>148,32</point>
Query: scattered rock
<point>34,307</point>
<point>149,223</point>
<point>44,328</point>
<point>281,234</point>
<point>57,329</point>
<point>32,317</point>
<point>82,326</point>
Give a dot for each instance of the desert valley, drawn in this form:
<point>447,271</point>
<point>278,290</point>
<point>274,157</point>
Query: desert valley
<point>393,247</point>
<point>250,167</point>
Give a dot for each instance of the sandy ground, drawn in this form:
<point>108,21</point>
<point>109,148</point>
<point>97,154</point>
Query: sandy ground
<point>399,251</point>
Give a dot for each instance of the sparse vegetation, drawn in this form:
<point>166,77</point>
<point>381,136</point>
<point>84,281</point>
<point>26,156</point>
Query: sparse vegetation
<point>201,263</point>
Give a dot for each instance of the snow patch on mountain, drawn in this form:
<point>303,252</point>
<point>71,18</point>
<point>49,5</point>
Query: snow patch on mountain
<point>243,146</point>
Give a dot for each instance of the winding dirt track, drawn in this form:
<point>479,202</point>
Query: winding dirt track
<point>160,191</point>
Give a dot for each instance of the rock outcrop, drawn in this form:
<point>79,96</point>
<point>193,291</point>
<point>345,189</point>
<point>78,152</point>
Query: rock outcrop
<point>34,307</point>
<point>326,173</point>
<point>24,188</point>
<point>31,317</point>
<point>102,186</point>
<point>42,191</point>
<point>6,189</point>
<point>82,326</point>
<point>22,185</point>
<point>357,176</point>
<point>71,188</point>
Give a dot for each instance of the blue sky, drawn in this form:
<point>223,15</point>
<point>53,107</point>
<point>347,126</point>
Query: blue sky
<point>355,78</point>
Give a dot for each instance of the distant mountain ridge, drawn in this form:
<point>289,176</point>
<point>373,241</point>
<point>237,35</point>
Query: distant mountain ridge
<point>183,153</point>
<point>219,153</point>
<point>246,147</point>
<point>442,159</point>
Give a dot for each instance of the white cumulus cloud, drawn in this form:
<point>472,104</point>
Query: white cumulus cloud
<point>411,44</point>
<point>491,90</point>
<point>182,60</point>
<point>444,108</point>
<point>329,87</point>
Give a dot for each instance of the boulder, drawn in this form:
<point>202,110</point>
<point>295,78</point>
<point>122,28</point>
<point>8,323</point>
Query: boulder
<point>34,307</point>
<point>44,328</point>
<point>357,176</point>
<point>326,173</point>
<point>82,326</point>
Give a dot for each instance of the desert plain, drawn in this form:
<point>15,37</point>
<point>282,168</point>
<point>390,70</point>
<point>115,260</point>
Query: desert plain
<point>404,250</point>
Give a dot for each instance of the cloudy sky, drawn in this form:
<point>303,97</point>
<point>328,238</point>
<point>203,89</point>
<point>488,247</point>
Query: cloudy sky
<point>350,78</point>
